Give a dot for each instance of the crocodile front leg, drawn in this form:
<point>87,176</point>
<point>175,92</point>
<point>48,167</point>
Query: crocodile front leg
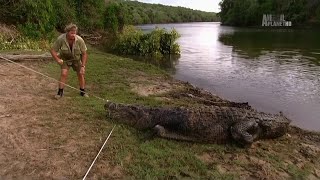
<point>245,132</point>
<point>165,133</point>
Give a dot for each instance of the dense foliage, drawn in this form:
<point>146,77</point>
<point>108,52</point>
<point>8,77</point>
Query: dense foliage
<point>34,17</point>
<point>157,43</point>
<point>10,38</point>
<point>38,18</point>
<point>114,18</point>
<point>143,13</point>
<point>250,12</point>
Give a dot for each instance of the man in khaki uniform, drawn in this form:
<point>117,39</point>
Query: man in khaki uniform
<point>72,53</point>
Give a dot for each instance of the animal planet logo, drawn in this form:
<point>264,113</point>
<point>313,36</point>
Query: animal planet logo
<point>275,20</point>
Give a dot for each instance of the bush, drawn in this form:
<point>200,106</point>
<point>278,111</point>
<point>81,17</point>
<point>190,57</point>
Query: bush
<point>157,43</point>
<point>38,20</point>
<point>10,38</point>
<point>23,44</point>
<point>65,13</point>
<point>114,17</point>
<point>90,13</point>
<point>128,42</point>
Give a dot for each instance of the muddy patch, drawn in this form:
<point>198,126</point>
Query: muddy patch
<point>146,86</point>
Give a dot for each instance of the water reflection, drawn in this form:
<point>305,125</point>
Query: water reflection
<point>167,63</point>
<point>254,42</point>
<point>285,69</point>
<point>273,70</point>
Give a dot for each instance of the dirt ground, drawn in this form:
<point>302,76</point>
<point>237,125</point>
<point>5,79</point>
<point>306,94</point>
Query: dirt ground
<point>40,142</point>
<point>37,140</point>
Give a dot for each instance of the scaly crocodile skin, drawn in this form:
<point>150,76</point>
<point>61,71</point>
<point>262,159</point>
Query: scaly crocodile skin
<point>210,124</point>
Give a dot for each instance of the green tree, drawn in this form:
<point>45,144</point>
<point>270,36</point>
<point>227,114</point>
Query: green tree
<point>37,18</point>
<point>65,13</point>
<point>249,12</point>
<point>115,17</point>
<point>157,13</point>
<point>90,13</point>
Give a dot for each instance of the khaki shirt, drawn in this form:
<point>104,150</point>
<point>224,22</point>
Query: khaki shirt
<point>61,46</point>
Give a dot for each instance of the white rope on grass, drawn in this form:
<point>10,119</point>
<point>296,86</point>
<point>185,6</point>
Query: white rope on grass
<point>6,59</point>
<point>98,153</point>
<point>72,88</point>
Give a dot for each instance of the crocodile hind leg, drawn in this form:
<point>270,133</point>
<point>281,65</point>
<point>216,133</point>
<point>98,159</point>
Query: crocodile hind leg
<point>245,132</point>
<point>166,133</point>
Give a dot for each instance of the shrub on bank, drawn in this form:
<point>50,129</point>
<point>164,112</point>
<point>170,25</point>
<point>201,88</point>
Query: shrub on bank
<point>157,43</point>
<point>11,38</point>
<point>23,44</point>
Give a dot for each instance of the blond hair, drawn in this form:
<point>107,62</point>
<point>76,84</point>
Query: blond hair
<point>70,26</point>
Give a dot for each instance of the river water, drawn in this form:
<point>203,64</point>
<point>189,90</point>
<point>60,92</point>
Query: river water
<point>272,69</point>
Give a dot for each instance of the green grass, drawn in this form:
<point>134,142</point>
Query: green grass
<point>298,173</point>
<point>109,77</point>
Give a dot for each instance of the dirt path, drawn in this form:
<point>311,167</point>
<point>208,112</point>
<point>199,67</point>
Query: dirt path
<point>38,141</point>
<point>42,138</point>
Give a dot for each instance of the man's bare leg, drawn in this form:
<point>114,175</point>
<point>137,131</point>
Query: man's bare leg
<point>82,84</point>
<point>81,80</point>
<point>63,79</point>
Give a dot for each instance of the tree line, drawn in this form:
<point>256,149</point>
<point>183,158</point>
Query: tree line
<point>143,13</point>
<point>250,12</point>
<point>39,18</point>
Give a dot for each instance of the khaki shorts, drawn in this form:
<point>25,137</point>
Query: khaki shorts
<point>75,64</point>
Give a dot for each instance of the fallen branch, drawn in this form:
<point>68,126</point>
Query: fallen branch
<point>95,36</point>
<point>24,57</point>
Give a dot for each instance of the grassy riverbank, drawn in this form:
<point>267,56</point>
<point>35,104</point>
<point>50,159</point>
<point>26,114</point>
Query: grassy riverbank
<point>45,138</point>
<point>126,81</point>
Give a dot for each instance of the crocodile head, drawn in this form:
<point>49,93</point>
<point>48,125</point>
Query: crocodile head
<point>266,126</point>
<point>273,126</point>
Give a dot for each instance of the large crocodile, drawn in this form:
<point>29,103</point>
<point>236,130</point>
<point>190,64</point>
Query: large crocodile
<point>209,124</point>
